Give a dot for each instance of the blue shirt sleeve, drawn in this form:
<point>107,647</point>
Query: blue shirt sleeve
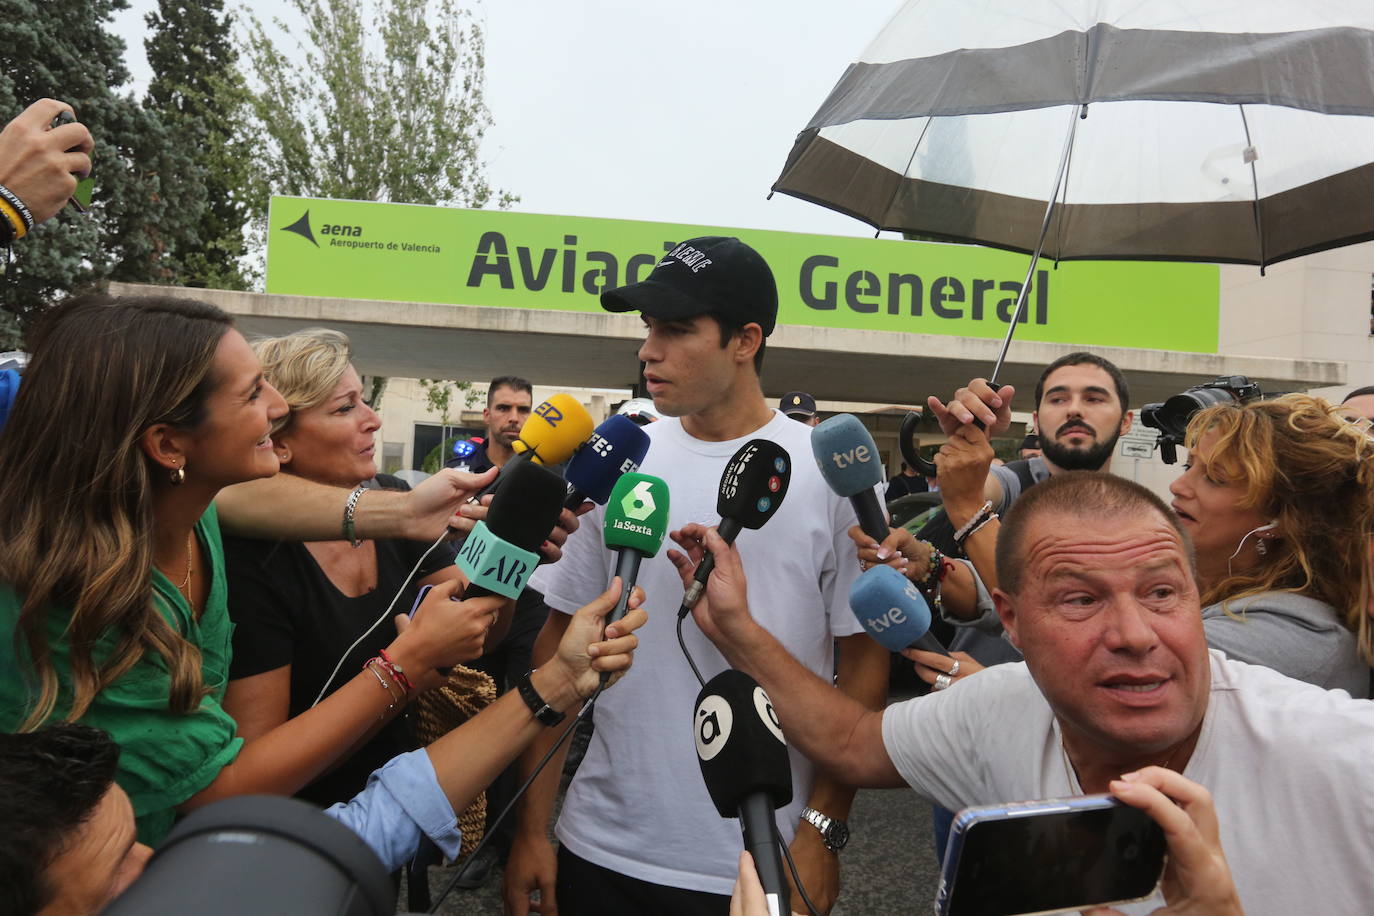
<point>401,803</point>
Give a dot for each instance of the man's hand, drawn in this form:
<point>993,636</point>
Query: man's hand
<point>531,868</point>
<point>34,162</point>
<point>819,869</point>
<point>434,504</point>
<point>723,611</point>
<point>1197,880</point>
<point>978,402</point>
<point>963,464</point>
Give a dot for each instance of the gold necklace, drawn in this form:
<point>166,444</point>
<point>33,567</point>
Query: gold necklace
<point>184,587</point>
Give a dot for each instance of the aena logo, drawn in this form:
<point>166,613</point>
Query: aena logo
<point>638,504</point>
<point>713,723</point>
<point>302,228</point>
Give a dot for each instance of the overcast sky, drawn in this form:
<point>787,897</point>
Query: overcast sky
<point>677,112</point>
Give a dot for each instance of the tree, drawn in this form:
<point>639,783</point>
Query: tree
<point>147,197</point>
<point>391,112</point>
<point>198,91</point>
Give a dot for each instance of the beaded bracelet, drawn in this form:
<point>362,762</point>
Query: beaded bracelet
<point>13,200</point>
<point>968,527</point>
<point>397,673</point>
<point>976,528</point>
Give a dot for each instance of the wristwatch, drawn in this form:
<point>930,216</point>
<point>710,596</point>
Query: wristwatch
<point>834,833</point>
<point>543,712</point>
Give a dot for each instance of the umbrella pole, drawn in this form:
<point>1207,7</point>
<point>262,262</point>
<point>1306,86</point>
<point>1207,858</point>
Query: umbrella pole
<point>1039,244</point>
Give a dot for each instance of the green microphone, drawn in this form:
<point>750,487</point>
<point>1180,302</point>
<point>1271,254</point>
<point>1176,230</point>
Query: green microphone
<point>636,522</point>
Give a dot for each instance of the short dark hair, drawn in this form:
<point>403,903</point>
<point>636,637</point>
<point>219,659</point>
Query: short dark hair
<point>1081,358</point>
<point>729,327</point>
<point>513,382</point>
<point>1076,494</point>
<point>1358,393</point>
<point>51,781</point>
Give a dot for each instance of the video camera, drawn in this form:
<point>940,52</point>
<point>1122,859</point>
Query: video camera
<point>1171,417</point>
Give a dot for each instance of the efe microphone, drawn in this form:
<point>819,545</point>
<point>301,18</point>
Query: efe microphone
<point>744,764</point>
<point>893,611</point>
<point>616,447</point>
<point>751,490</point>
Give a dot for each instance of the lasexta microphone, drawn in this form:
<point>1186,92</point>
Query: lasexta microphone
<point>554,430</point>
<point>615,448</point>
<point>502,551</point>
<point>848,458</point>
<point>893,611</point>
<point>751,490</point>
<point>636,523</point>
<point>744,763</point>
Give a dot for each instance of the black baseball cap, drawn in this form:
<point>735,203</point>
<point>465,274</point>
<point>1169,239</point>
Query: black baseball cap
<point>714,273</point>
<point>799,403</point>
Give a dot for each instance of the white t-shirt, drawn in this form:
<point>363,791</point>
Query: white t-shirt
<point>1287,764</point>
<point>638,805</point>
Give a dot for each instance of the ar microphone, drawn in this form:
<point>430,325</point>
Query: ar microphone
<point>615,448</point>
<point>636,522</point>
<point>552,433</point>
<point>848,459</point>
<point>503,549</point>
<point>744,764</point>
<point>893,611</point>
<point>751,490</point>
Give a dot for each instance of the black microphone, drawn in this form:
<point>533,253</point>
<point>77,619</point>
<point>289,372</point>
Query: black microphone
<point>744,763</point>
<point>502,551</point>
<point>751,490</point>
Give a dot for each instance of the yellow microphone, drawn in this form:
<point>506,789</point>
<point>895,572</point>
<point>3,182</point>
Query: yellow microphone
<point>554,430</point>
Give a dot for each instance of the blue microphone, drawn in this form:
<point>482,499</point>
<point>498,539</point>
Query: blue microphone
<point>615,448</point>
<point>893,611</point>
<point>848,458</point>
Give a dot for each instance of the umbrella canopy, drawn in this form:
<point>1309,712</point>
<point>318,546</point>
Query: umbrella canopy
<point>1205,130</point>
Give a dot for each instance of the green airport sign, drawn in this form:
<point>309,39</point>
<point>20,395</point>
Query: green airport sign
<point>401,252</point>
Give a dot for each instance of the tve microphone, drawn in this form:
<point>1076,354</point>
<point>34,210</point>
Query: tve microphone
<point>848,459</point>
<point>502,550</point>
<point>636,523</point>
<point>616,447</point>
<point>743,759</point>
<point>893,611</point>
<point>552,433</point>
<point>751,490</point>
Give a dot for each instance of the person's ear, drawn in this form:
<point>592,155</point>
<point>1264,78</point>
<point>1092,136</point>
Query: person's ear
<point>747,342</point>
<point>1006,610</point>
<point>161,442</point>
<point>282,449</point>
<point>1127,419</point>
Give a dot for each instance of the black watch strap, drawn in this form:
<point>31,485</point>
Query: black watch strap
<point>543,712</point>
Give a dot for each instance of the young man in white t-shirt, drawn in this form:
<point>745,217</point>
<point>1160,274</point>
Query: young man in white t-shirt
<point>638,832</point>
<point>1097,590</point>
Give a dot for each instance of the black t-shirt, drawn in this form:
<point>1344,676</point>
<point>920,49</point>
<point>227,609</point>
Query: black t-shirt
<point>287,612</point>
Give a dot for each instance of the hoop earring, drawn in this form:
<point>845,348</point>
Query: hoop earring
<point>178,476</point>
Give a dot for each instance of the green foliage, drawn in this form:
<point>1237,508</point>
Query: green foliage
<point>387,106</point>
<point>199,93</point>
<point>148,197</point>
<point>439,395</point>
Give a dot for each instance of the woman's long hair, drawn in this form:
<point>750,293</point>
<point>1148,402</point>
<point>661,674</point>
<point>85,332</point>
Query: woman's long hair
<point>1301,464</point>
<point>76,494</point>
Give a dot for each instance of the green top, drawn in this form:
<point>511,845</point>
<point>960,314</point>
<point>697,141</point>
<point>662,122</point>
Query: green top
<point>164,758</point>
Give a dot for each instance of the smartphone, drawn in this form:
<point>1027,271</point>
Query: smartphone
<point>419,600</point>
<point>81,197</point>
<point>1049,856</point>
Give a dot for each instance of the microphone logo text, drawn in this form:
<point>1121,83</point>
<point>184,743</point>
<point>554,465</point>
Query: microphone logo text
<point>712,723</point>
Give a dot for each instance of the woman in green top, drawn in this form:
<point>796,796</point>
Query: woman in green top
<point>133,414</point>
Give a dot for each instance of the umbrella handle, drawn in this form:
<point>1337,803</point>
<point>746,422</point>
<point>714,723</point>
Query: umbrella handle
<point>906,444</point>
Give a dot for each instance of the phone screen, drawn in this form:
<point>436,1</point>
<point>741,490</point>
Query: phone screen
<point>1085,852</point>
<point>419,599</point>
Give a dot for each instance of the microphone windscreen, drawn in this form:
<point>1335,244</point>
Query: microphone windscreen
<point>847,455</point>
<point>554,430</point>
<point>754,483</point>
<point>615,448</point>
<point>526,506</point>
<point>739,743</point>
<point>890,607</point>
<point>637,514</point>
